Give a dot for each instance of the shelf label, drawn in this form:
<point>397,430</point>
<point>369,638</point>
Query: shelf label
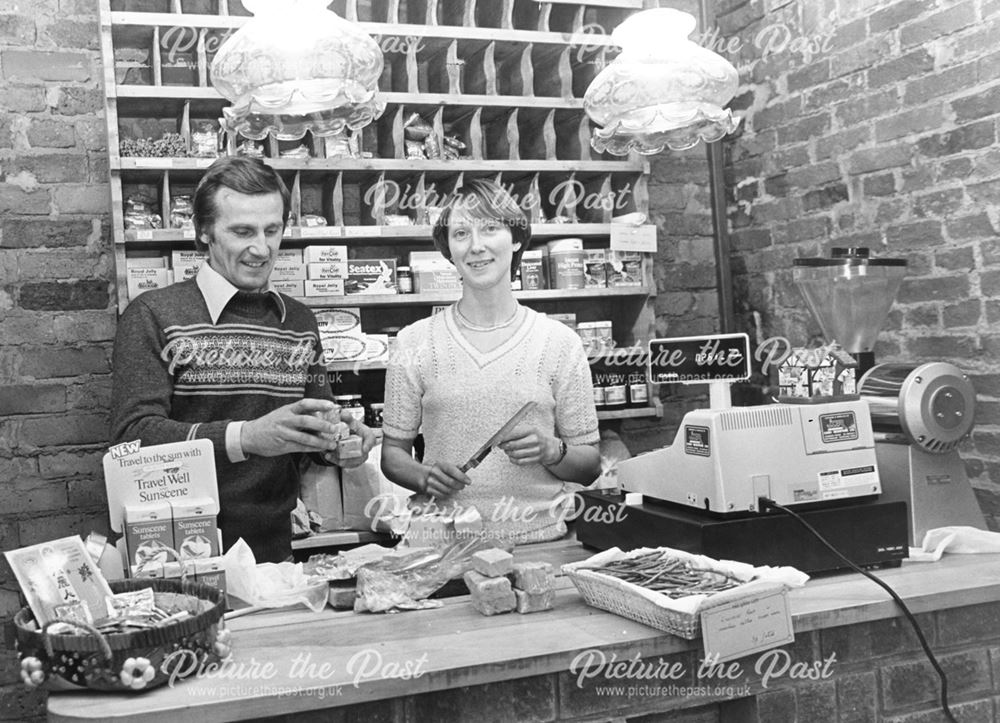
<point>747,625</point>
<point>144,234</point>
<point>318,231</point>
<point>359,231</point>
<point>187,233</point>
<point>699,359</point>
<point>633,238</point>
<point>154,163</point>
<point>203,162</point>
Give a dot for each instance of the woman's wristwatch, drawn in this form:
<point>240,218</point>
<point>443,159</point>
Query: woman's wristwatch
<point>562,454</point>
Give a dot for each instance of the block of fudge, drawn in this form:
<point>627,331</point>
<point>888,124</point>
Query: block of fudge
<point>492,563</point>
<point>490,595</point>
<point>534,602</point>
<point>534,577</point>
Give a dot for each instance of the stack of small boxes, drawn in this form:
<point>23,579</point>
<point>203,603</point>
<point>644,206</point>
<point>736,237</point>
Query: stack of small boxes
<point>499,586</point>
<point>162,538</point>
<point>348,446</point>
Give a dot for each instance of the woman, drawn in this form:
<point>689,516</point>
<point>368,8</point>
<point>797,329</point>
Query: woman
<point>458,376</point>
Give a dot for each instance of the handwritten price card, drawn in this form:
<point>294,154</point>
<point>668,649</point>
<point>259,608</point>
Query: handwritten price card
<point>633,238</point>
<point>747,625</point>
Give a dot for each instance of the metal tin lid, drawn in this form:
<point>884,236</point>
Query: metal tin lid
<point>851,256</point>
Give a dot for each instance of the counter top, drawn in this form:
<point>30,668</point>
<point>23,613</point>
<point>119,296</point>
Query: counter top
<point>293,660</point>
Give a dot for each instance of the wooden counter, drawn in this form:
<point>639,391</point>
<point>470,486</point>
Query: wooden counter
<point>291,661</point>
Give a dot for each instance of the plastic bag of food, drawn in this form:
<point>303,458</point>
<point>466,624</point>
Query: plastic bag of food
<point>403,581</point>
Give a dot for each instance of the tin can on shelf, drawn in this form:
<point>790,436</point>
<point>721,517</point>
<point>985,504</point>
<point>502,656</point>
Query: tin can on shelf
<point>566,263</point>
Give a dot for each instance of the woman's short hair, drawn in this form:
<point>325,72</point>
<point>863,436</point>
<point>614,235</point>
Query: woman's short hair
<point>250,176</point>
<point>485,199</point>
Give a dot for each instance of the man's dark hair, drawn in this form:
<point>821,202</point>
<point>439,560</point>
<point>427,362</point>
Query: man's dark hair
<point>250,176</point>
<point>487,200</point>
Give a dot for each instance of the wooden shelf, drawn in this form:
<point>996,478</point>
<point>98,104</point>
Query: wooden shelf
<point>184,93</point>
<point>449,297</point>
<point>400,30</point>
<point>345,234</point>
<point>369,165</point>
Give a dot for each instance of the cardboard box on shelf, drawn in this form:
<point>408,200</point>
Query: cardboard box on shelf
<point>143,279</point>
<point>442,279</point>
<point>331,270</point>
<point>149,534</point>
<point>288,271</point>
<point>370,276</point>
<point>339,321</point>
<point>324,254</point>
<point>292,288</point>
<point>196,534</point>
<point>324,287</point>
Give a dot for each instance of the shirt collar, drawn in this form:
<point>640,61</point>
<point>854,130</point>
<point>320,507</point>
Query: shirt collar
<point>218,291</point>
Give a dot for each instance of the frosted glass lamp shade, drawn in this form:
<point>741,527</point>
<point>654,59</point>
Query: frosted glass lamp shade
<point>296,67</point>
<point>663,90</point>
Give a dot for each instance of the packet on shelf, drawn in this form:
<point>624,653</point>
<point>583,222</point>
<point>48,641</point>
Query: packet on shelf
<point>149,535</point>
<point>324,254</point>
<point>196,534</point>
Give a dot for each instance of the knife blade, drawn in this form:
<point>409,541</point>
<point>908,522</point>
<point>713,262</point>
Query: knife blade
<point>506,429</point>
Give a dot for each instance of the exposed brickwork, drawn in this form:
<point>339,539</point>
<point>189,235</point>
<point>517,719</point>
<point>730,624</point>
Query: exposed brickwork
<point>56,313</point>
<point>911,95</point>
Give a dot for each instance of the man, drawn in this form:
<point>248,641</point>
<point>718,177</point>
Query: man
<point>223,357</point>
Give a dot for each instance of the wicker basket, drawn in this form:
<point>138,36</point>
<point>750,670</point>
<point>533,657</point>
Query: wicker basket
<point>678,616</point>
<point>123,661</point>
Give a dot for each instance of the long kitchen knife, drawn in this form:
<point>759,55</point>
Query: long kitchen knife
<point>506,429</point>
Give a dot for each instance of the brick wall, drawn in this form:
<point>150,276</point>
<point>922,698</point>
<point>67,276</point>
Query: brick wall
<point>859,673</point>
<point>57,317</point>
<point>874,123</point>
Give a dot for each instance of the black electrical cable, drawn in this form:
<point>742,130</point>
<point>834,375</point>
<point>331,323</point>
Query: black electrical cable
<point>766,504</point>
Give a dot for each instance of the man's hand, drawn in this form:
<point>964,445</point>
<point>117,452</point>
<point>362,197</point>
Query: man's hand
<point>367,442</point>
<point>292,428</point>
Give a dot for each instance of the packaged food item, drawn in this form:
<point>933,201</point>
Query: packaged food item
<point>139,214</point>
<point>417,128</point>
<point>624,268</point>
<point>566,264</point>
<point>181,212</point>
<point>142,279</point>
<point>595,268</point>
<point>415,151</point>
<point>250,148</point>
<point>300,152</point>
<point>205,139</point>
<point>533,270</point>
<point>312,220</point>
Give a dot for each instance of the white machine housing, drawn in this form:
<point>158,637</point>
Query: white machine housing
<point>723,460</point>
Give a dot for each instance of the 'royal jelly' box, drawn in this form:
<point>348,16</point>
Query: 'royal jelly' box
<point>149,535</point>
<point>196,534</point>
<point>142,279</point>
<point>292,288</point>
<point>288,271</point>
<point>324,254</point>
<point>324,287</point>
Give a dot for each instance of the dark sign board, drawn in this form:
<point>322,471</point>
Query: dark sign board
<point>699,359</point>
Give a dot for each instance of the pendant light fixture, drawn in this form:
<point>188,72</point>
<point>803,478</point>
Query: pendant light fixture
<point>663,90</point>
<point>296,67</point>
